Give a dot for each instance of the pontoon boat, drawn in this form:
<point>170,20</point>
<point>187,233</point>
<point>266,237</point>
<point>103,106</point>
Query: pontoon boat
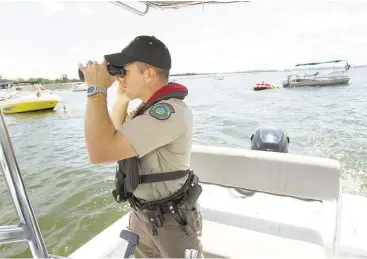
<point>317,74</point>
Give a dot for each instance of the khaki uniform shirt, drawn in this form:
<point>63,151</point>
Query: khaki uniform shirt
<point>162,138</point>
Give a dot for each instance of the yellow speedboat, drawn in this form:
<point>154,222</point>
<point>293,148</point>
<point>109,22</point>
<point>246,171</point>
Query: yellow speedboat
<point>30,103</point>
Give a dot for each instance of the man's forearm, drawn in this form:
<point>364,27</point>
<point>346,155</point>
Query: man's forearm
<point>119,112</point>
<point>98,125</point>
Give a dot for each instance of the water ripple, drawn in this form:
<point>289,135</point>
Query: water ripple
<point>72,198</point>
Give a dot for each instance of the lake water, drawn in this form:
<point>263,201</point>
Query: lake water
<point>72,198</point>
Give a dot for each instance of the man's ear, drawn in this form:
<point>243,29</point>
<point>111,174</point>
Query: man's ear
<point>149,75</point>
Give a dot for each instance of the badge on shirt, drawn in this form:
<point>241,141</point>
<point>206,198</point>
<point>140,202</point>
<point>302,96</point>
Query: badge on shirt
<point>161,111</point>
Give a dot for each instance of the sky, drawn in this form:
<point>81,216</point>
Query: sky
<point>47,39</point>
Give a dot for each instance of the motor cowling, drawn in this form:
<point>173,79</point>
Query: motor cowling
<point>271,139</point>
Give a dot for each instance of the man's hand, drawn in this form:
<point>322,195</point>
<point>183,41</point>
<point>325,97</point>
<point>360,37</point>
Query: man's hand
<point>96,74</point>
<point>119,110</point>
<point>121,93</point>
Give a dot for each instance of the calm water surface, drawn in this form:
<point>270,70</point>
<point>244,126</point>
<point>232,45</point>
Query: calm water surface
<point>72,198</point>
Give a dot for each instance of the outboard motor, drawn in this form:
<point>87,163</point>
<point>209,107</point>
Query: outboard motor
<point>270,139</point>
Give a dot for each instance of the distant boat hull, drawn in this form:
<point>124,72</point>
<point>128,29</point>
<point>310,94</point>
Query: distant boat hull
<point>315,82</point>
<point>263,86</point>
<point>260,87</point>
<point>29,104</point>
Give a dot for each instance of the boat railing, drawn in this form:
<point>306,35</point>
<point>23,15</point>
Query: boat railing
<point>28,229</point>
<point>321,71</point>
<point>168,5</point>
<point>333,75</point>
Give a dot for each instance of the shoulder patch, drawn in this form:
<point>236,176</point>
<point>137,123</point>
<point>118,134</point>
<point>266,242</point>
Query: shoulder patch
<point>161,111</point>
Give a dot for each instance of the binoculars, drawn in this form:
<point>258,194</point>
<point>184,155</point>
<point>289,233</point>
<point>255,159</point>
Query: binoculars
<point>112,70</point>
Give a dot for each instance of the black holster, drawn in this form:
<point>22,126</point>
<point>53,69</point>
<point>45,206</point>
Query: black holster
<point>192,194</point>
<point>177,207</point>
<point>155,217</point>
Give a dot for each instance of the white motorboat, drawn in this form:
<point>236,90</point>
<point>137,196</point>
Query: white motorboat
<point>298,209</point>
<point>79,87</point>
<point>218,76</point>
<point>324,76</point>
<point>6,94</point>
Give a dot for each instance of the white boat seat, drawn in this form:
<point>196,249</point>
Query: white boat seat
<point>226,241</point>
<point>261,234</point>
<point>272,172</point>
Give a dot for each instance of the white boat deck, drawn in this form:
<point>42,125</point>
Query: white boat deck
<point>259,226</point>
<point>267,225</point>
<point>263,225</point>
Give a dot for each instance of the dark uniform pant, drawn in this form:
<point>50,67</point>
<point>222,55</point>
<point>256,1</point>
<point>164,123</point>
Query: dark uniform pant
<point>172,239</point>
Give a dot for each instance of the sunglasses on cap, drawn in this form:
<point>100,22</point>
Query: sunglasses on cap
<point>111,69</point>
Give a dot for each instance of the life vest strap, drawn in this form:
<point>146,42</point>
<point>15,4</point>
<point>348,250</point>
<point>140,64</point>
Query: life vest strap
<point>161,177</point>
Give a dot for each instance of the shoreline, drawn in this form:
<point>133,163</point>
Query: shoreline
<point>75,84</point>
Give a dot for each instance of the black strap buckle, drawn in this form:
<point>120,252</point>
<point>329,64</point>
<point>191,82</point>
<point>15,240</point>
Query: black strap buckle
<point>118,197</point>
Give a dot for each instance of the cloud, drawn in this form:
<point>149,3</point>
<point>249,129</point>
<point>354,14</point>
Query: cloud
<point>8,67</point>
<point>51,8</point>
<point>85,10</point>
<point>76,49</point>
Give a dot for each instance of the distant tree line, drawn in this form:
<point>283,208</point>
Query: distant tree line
<point>40,80</point>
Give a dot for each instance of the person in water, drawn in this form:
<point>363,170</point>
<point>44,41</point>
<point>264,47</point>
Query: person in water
<point>152,148</point>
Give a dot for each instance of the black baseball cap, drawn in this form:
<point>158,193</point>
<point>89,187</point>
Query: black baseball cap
<point>146,49</point>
